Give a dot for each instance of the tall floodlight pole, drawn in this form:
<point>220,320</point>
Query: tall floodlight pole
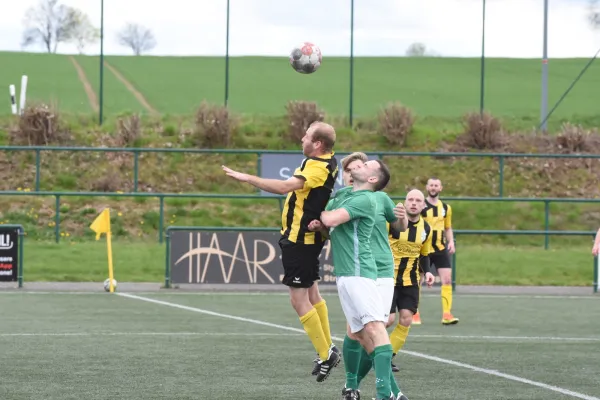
<point>482,83</point>
<point>351,107</point>
<point>100,118</point>
<point>544,108</point>
<point>227,58</point>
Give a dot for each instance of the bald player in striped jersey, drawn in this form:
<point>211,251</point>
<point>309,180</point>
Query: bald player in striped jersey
<point>411,250</point>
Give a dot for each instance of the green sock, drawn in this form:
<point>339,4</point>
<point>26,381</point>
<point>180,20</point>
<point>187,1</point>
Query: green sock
<point>394,384</point>
<point>366,363</point>
<point>382,361</point>
<point>352,355</point>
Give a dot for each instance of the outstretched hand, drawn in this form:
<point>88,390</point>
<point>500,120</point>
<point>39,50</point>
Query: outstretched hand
<point>240,176</point>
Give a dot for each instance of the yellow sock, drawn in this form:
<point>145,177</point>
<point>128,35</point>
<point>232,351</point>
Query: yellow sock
<point>312,326</point>
<point>321,308</point>
<point>398,337</point>
<point>446,299</point>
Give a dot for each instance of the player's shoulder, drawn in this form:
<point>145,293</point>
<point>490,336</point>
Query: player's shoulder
<point>426,226</point>
<point>382,196</point>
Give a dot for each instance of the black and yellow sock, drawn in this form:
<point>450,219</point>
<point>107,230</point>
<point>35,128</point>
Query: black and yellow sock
<point>398,337</point>
<point>312,325</point>
<point>446,299</point>
<point>321,308</point>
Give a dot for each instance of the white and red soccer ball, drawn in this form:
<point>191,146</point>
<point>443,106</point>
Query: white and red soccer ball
<point>306,58</point>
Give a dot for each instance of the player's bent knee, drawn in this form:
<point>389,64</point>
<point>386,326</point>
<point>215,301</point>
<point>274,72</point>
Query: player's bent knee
<point>405,318</point>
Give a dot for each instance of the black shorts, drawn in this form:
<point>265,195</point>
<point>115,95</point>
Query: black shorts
<point>300,263</point>
<point>405,298</point>
<point>440,259</point>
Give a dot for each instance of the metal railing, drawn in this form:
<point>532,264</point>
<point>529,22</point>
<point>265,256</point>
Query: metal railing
<point>280,199</point>
<point>136,152</point>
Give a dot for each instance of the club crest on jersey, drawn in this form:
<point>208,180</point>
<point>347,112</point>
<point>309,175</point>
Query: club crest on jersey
<point>444,212</point>
<point>423,236</point>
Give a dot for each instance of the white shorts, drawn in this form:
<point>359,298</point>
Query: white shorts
<point>360,301</point>
<point>386,292</point>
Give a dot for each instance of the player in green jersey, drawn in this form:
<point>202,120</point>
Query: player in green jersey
<point>350,218</point>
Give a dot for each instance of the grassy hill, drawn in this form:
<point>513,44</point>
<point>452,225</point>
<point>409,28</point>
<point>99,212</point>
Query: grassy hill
<point>435,88</point>
<point>439,90</point>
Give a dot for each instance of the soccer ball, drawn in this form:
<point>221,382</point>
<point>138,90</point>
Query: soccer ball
<point>107,284</point>
<point>306,58</point>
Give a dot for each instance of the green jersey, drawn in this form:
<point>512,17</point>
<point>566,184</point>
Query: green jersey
<point>351,241</point>
<point>380,244</point>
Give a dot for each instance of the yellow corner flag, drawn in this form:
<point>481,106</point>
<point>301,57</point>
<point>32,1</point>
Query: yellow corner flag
<point>102,225</point>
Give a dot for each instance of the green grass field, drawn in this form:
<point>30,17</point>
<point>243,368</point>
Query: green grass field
<point>190,346</point>
<point>432,87</point>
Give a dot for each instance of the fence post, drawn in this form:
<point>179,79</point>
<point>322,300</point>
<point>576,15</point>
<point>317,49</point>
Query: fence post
<point>136,170</point>
<point>37,169</point>
<point>454,268</point>
<point>21,240</point>
<point>501,179</point>
<point>161,218</point>
<point>546,223</point>
<point>168,260</point>
<point>57,219</point>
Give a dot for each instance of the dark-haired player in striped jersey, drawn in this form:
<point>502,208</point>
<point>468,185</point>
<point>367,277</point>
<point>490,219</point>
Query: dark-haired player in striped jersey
<point>438,215</point>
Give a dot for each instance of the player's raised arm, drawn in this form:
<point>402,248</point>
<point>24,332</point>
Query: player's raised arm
<point>276,186</point>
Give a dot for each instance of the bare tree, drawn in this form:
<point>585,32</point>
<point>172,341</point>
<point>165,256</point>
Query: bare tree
<point>416,50</point>
<point>137,38</point>
<point>49,24</point>
<point>84,32</point>
<point>594,14</point>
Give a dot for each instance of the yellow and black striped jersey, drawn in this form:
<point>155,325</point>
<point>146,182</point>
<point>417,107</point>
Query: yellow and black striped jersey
<point>306,204</point>
<point>408,247</point>
<point>439,217</point>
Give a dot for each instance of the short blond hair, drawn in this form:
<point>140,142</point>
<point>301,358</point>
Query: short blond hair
<point>357,155</point>
<point>324,133</point>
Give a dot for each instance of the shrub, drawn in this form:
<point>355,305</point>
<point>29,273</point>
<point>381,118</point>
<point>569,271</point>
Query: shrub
<point>129,130</point>
<point>482,131</point>
<point>300,115</point>
<point>575,139</point>
<point>395,123</point>
<point>213,126</point>
<point>109,182</point>
<point>39,125</point>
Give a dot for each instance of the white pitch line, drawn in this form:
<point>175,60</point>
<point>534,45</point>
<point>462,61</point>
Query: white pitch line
<point>412,353</point>
<point>509,338</point>
<point>146,334</point>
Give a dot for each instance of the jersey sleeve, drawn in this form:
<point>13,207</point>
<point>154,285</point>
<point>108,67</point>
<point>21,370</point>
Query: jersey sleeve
<point>388,208</point>
<point>360,206</point>
<point>314,173</point>
<point>427,247</point>
<point>448,217</point>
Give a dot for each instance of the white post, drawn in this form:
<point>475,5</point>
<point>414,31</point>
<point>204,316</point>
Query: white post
<point>23,93</point>
<point>13,101</point>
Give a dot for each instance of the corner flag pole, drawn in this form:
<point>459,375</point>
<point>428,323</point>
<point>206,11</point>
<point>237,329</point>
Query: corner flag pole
<point>102,225</point>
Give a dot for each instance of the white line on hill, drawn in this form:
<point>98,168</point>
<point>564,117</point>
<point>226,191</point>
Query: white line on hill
<point>412,353</point>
